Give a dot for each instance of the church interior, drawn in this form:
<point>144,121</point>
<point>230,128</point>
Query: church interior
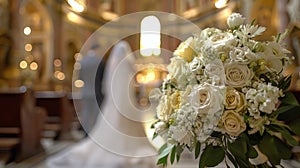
<point>42,43</point>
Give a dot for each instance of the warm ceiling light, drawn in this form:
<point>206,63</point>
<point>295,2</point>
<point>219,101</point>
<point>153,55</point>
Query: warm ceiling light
<point>79,83</point>
<point>220,3</point>
<point>28,47</point>
<point>23,64</point>
<point>57,63</point>
<point>77,5</point>
<point>27,30</point>
<point>34,66</point>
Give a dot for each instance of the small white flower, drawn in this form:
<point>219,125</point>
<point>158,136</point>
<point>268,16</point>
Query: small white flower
<point>235,20</point>
<point>160,127</point>
<point>251,31</point>
<point>242,55</point>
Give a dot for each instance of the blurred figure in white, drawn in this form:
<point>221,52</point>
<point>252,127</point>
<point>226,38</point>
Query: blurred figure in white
<point>118,139</point>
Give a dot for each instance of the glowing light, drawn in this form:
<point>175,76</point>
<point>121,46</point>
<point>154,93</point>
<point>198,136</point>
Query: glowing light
<point>220,3</point>
<point>146,77</point>
<point>23,64</point>
<point>140,78</point>
<point>79,83</point>
<point>33,66</point>
<point>27,30</point>
<point>109,15</point>
<point>73,17</point>
<point>150,36</point>
<point>28,47</point>
<point>77,5</point>
<point>61,76</point>
<point>57,63</point>
<point>150,76</point>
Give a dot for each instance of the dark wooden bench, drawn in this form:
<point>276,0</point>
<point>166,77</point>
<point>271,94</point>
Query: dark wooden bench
<point>59,113</point>
<point>21,124</point>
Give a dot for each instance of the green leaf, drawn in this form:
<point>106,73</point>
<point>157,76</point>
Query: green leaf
<point>173,153</point>
<point>239,151</point>
<point>290,114</point>
<point>163,161</point>
<point>253,21</point>
<point>211,156</point>
<point>295,126</point>
<point>197,149</point>
<point>290,98</point>
<point>274,149</point>
<point>238,147</point>
<point>179,150</point>
<point>285,82</point>
<point>164,153</point>
<point>232,159</point>
<point>283,109</point>
<point>251,153</point>
<point>162,148</point>
<point>155,134</point>
<point>285,134</point>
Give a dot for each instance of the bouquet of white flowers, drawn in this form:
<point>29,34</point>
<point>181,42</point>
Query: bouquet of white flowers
<point>225,98</point>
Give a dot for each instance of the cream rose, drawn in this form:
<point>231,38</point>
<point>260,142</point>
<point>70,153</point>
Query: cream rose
<point>164,109</point>
<point>237,75</point>
<point>185,50</point>
<point>235,100</point>
<point>233,123</point>
<point>175,100</point>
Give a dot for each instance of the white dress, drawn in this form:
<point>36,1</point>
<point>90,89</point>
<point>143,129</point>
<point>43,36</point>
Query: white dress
<point>118,139</point>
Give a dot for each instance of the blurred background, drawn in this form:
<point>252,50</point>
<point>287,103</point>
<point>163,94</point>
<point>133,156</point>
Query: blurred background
<point>40,48</point>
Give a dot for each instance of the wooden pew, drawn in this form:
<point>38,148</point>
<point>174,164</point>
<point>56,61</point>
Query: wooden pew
<point>21,124</point>
<point>59,112</point>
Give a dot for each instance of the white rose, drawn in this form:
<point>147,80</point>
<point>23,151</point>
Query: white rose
<point>164,109</point>
<point>215,71</point>
<point>206,98</point>
<point>222,39</point>
<point>206,33</point>
<point>178,69</point>
<point>237,75</point>
<point>196,65</point>
<point>235,20</point>
<point>233,123</point>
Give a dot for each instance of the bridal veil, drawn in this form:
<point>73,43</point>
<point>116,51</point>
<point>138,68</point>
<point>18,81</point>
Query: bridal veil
<point>118,138</point>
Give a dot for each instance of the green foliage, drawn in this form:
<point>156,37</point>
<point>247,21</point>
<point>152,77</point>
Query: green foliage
<point>197,149</point>
<point>274,149</point>
<point>211,156</point>
<point>295,126</point>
